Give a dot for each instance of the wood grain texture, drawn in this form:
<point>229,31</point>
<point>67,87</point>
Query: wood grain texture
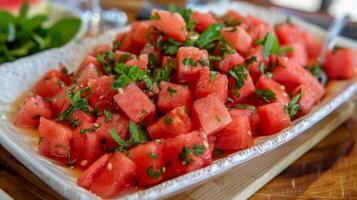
<point>327,171</point>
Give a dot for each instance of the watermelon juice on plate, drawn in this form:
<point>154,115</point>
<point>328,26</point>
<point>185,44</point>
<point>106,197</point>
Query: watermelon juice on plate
<point>197,88</point>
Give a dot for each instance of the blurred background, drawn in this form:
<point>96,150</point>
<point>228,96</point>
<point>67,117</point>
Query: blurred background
<point>319,12</point>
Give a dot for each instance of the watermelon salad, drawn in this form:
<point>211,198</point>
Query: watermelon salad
<point>175,93</point>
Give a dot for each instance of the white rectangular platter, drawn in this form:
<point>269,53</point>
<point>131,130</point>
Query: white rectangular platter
<point>17,77</point>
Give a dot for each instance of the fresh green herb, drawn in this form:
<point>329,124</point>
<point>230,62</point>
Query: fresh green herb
<point>245,107</point>
<point>171,91</point>
<point>90,130</point>
<point>23,35</point>
<point>184,156</point>
<point>203,62</point>
<point>189,62</point>
<point>210,35</point>
<point>251,60</point>
<point>262,68</point>
<point>128,74</point>
<point>153,61</point>
<point>77,102</point>
<point>213,75</point>
<point>152,155</point>
<point>240,74</point>
<point>155,16</point>
<point>317,71</point>
<point>167,120</point>
<point>137,136</point>
<point>74,123</point>
<point>154,174</point>
<point>162,74</point>
<point>266,95</point>
<point>124,57</point>
<point>186,14</point>
<point>198,150</point>
<point>217,152</point>
<point>108,115</point>
<point>271,46</point>
<point>167,47</point>
<point>107,60</point>
<point>293,107</point>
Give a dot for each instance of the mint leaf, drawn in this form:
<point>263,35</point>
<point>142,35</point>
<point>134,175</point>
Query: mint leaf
<point>211,34</point>
<point>63,31</point>
<point>240,74</point>
<point>293,107</point>
<point>266,95</point>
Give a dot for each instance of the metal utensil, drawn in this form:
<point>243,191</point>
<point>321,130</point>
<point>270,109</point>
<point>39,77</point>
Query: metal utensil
<point>332,33</point>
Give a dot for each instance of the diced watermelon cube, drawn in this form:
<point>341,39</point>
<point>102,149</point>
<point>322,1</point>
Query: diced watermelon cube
<point>212,82</point>
<point>31,111</point>
<point>102,92</point>
<point>298,53</point>
<point>265,83</point>
<point>229,62</point>
<point>340,63</point>
<point>190,61</point>
<point>211,113</point>
<point>140,61</point>
<point>239,95</point>
<point>174,123</point>
<point>288,33</point>
<point>134,103</point>
<point>272,118</point>
<point>237,38</point>
<point>173,95</point>
<point>139,30</point>
<point>203,20</point>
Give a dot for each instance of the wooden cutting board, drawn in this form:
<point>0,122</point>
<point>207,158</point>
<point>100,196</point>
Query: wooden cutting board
<point>239,183</point>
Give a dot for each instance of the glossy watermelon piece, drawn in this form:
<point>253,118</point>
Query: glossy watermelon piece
<point>89,59</point>
<point>229,62</point>
<point>86,148</point>
<point>88,73</point>
<point>312,44</point>
<point>82,117</point>
<point>237,38</point>
<point>139,30</point>
<point>203,20</point>
<point>211,113</point>
<point>186,153</point>
<point>190,61</point>
<point>51,83</point>
<point>173,95</point>
<point>134,103</point>
<point>212,82</point>
<point>101,48</point>
<point>265,83</point>
<point>254,67</point>
<point>174,123</point>
<point>270,125</point>
<point>92,172</point>
<point>307,99</point>
<point>119,173</point>
<point>236,136</point>
<point>102,92</point>
<point>288,33</point>
<point>258,32</point>
<point>340,63</point>
<point>124,41</point>
<point>239,95</point>
<point>118,122</point>
<point>55,139</point>
<point>172,24</point>
<point>140,61</point>
<point>31,111</point>
<point>298,54</point>
<point>149,159</point>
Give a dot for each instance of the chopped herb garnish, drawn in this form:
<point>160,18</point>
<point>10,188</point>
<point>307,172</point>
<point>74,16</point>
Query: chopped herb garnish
<point>108,115</point>
<point>189,62</point>
<point>251,60</point>
<point>266,95</point>
<point>90,130</point>
<point>184,156</point>
<point>171,91</point>
<point>317,71</point>
<point>155,16</point>
<point>240,74</point>
<point>128,74</point>
<point>186,14</point>
<point>74,123</point>
<point>153,61</point>
<point>293,107</point>
<point>245,107</point>
<point>154,174</point>
<point>137,136</point>
<point>217,152</point>
<point>210,35</point>
<point>125,57</point>
<point>213,75</point>
<point>167,120</point>
<point>198,150</point>
<point>152,155</point>
<point>77,102</point>
<point>203,62</point>
<point>162,74</point>
<point>271,45</point>
<point>107,60</point>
